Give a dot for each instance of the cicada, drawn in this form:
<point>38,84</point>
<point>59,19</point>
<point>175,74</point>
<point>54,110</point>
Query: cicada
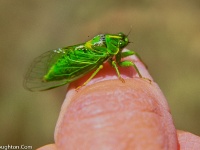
<point>65,65</point>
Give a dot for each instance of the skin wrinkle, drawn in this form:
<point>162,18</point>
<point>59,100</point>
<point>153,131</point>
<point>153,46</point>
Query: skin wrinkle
<point>86,102</point>
<point>89,134</point>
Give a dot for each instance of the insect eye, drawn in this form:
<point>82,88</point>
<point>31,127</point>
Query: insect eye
<point>121,43</point>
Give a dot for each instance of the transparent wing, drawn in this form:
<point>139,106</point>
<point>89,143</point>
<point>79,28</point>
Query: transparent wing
<point>33,80</point>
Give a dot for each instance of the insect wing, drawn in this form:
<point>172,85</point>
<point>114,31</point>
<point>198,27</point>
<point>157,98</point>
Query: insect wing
<point>33,80</point>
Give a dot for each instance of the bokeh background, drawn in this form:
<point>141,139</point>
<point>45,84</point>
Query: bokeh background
<point>165,33</point>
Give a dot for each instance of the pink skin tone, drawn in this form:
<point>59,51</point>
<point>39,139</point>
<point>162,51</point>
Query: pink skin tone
<point>109,114</point>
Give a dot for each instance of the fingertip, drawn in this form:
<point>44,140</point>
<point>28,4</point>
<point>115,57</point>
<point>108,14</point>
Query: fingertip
<point>48,147</point>
<point>188,140</point>
<point>104,107</point>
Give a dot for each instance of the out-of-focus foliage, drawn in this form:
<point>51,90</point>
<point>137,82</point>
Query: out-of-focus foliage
<point>165,33</point>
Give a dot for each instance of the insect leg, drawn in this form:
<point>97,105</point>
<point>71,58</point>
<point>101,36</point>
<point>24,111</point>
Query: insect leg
<point>113,63</point>
<point>127,63</point>
<point>90,78</point>
<point>129,53</point>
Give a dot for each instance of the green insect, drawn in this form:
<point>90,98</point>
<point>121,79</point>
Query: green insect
<point>64,65</point>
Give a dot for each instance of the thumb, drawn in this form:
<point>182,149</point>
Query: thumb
<point>115,115</point>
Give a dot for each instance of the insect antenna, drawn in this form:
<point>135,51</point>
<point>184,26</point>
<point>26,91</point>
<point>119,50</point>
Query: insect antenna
<point>129,31</point>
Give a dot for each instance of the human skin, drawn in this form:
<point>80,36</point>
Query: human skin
<point>111,115</point>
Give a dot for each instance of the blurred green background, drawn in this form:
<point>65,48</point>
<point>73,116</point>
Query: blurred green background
<point>165,33</point>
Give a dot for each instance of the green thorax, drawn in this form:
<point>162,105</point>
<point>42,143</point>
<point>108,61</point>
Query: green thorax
<point>109,43</point>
